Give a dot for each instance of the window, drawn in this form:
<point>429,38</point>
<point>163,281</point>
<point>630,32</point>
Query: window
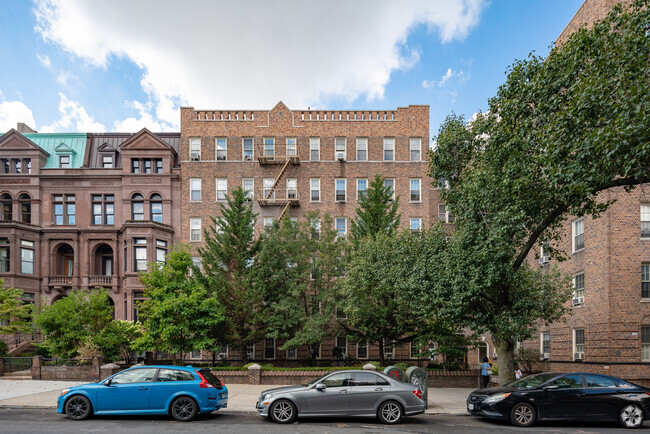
<point>389,348</point>
<point>342,343</point>
<point>292,188</point>
<point>222,188</point>
<point>343,379</point>
<point>161,251</point>
<point>362,149</point>
<point>156,208</point>
<point>415,148</point>
<point>103,209</point>
<point>107,162</point>
<point>568,382</point>
<point>339,148</point>
<point>64,209</point>
<point>176,375</point>
<point>292,150</point>
<point>7,207</point>
<point>138,297</point>
<point>269,147</point>
<point>142,375</point>
<point>645,280</point>
<point>341,227</point>
<point>146,166</point>
<point>222,149</point>
<point>578,289</point>
<point>389,149</point>
<point>196,261</point>
<point>269,193</point>
<point>250,351</point>
<point>26,257</point>
<point>135,165</point>
<point>578,344</point>
<point>247,146</point>
<point>269,348</point>
<point>598,381</point>
<point>443,183</point>
<point>415,350</point>
<point>416,225</point>
<point>248,185</point>
<point>341,190</point>
<point>25,204</point>
<point>578,235</point>
<point>444,215</point>
<point>268,222</point>
<point>645,344</point>
<point>195,189</point>
<point>362,350</point>
<point>195,229</point>
<point>195,148</point>
<point>292,353</point>
<point>645,221</point>
<point>5,165</point>
<point>5,257</point>
<point>64,161</point>
<point>314,148</point>
<point>390,183</point>
<point>159,165</point>
<point>362,188</point>
<point>137,207</point>
<point>315,229</point>
<point>140,254</point>
<point>545,344</point>
<point>415,190</point>
<point>314,190</point>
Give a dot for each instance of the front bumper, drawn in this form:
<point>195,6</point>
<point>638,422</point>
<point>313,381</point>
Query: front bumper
<point>493,411</point>
<point>262,409</point>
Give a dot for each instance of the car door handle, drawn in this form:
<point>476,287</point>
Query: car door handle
<point>143,388</point>
<point>379,389</point>
<point>579,394</point>
<point>343,391</point>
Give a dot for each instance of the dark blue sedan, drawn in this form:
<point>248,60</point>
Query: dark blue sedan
<point>182,392</point>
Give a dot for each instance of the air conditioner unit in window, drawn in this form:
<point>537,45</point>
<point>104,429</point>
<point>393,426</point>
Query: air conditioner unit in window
<point>340,156</point>
<point>248,157</point>
<point>544,260</point>
<point>579,356</point>
<point>545,356</point>
<point>578,301</point>
<point>195,156</point>
<point>389,355</point>
<point>222,356</point>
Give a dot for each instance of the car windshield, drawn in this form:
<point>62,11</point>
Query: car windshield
<point>317,380</point>
<point>531,381</point>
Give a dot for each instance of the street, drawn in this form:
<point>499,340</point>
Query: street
<point>41,420</point>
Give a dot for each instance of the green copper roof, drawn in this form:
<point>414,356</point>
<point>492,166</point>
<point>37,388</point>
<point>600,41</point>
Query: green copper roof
<point>57,144</point>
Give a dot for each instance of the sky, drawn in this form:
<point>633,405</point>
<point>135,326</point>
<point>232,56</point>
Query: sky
<point>121,65</point>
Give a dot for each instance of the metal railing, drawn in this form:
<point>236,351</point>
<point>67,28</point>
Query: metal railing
<point>14,364</point>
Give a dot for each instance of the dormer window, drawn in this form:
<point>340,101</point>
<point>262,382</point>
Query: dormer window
<point>66,155</point>
<point>107,162</point>
<point>64,161</point>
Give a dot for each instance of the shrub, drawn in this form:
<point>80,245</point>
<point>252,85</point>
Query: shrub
<point>4,348</point>
<point>403,366</point>
<point>325,364</point>
<point>42,351</point>
<point>495,369</point>
<point>350,361</point>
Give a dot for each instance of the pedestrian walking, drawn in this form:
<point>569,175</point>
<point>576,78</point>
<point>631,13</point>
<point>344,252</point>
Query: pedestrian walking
<point>486,371</point>
<point>517,372</point>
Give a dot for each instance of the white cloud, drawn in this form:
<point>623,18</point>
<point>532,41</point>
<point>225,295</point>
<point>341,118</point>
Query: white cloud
<point>63,78</point>
<point>12,112</point>
<point>446,77</point>
<point>236,54</point>
<point>428,84</point>
<point>45,61</point>
<point>74,117</point>
<point>145,120</point>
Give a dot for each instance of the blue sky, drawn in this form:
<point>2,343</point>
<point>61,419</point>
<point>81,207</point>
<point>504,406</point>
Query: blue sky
<point>80,65</point>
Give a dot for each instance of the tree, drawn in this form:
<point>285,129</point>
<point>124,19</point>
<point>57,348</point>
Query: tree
<point>67,323</point>
<point>14,314</point>
<point>227,258</point>
<point>178,309</point>
<point>117,339</point>
<point>298,269</point>
<point>559,131</point>
<point>377,211</point>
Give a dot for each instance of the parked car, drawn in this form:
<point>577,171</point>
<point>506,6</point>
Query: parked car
<point>182,392</point>
<point>559,396</point>
<point>343,393</point>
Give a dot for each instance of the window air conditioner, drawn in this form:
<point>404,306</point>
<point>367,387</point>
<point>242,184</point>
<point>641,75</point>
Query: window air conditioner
<point>340,156</point>
<point>579,356</point>
<point>248,157</point>
<point>389,355</point>
<point>577,301</point>
<point>195,156</point>
<point>222,356</point>
<point>544,260</point>
<point>545,356</point>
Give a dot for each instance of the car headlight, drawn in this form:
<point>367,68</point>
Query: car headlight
<point>266,397</point>
<point>64,391</point>
<point>496,398</point>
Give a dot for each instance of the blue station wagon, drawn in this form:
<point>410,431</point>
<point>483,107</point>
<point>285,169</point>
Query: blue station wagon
<point>182,392</point>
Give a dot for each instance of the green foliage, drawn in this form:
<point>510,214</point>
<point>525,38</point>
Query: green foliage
<point>117,338</point>
<point>4,348</point>
<point>178,310</point>
<point>495,370</point>
<point>526,358</point>
<point>227,257</point>
<point>560,130</point>
<point>376,213</point>
<point>403,366</point>
<point>41,350</point>
<point>67,323</point>
<point>14,315</point>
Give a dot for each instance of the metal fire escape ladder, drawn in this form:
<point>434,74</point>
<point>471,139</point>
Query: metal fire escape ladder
<point>278,177</point>
<point>284,210</point>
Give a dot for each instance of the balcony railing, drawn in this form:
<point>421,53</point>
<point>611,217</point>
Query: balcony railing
<point>100,280</point>
<point>277,153</point>
<point>279,196</point>
<point>63,280</point>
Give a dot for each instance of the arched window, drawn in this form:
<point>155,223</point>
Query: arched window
<point>25,208</point>
<point>155,202</point>
<point>5,203</point>
<point>137,207</point>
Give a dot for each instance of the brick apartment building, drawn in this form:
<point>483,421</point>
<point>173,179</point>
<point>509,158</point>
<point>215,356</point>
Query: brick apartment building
<point>86,211</point>
<point>294,161</point>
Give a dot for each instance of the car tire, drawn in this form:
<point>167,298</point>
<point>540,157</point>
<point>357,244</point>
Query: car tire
<point>283,411</point>
<point>184,409</point>
<point>78,407</point>
<point>390,412</point>
<point>631,416</point>
<point>523,414</point>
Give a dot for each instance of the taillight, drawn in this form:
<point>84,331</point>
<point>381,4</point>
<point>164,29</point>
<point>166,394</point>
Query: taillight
<point>418,393</point>
<point>204,381</point>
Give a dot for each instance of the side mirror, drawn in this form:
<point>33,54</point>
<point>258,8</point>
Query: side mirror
<point>321,386</point>
<point>107,382</point>
<point>552,387</point>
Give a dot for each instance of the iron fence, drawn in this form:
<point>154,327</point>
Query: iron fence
<point>14,364</point>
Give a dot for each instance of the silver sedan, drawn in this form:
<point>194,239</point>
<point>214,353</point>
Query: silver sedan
<point>343,393</point>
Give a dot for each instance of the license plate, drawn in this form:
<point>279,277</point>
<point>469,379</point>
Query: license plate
<point>470,406</point>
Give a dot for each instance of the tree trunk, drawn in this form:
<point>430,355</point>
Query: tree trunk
<point>381,353</point>
<point>506,361</point>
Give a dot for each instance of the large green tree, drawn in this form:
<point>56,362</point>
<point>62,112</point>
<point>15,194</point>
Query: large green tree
<point>14,314</point>
<point>377,211</point>
<point>561,130</point>
<point>178,310</point>
<point>227,259</point>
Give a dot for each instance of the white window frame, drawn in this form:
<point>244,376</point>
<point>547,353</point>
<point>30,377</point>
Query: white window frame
<point>575,344</point>
<point>578,225</point>
<point>195,146</point>
<point>541,343</point>
<point>140,248</point>
<point>314,146</point>
<point>362,145</point>
<point>223,151</point>
<point>419,190</point>
<point>292,144</point>
<point>221,189</point>
<point>195,224</point>
<point>365,190</point>
<point>336,190</point>
<point>579,293</point>
<point>250,354</point>
<point>419,225</point>
<point>340,148</point>
<point>415,145</point>
<point>313,181</point>
<point>248,192</point>
<point>292,188</point>
<point>448,217</point>
<point>267,184</point>
<point>365,344</point>
<point>389,146</point>
<point>392,180</point>
<point>345,348</point>
<point>645,346</point>
<point>27,247</point>
<point>197,182</point>
<point>411,346</point>
<point>243,148</point>
<point>268,141</point>
<point>345,227</point>
<point>267,222</point>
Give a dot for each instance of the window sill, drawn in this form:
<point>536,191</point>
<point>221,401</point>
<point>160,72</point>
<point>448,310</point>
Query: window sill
<point>195,201</point>
<point>645,300</point>
<point>195,241</point>
<point>341,201</point>
<point>415,201</point>
<point>314,201</point>
<point>578,306</point>
<point>578,251</point>
<point>644,239</point>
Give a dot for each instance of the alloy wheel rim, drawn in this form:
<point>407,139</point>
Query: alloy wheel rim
<point>282,411</point>
<point>631,415</point>
<point>183,408</point>
<point>523,415</point>
<point>77,407</point>
<point>390,412</point>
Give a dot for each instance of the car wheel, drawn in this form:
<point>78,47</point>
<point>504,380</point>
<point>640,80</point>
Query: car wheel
<point>631,416</point>
<point>184,409</point>
<point>390,412</point>
<point>523,414</point>
<point>283,411</point>
<point>78,407</point>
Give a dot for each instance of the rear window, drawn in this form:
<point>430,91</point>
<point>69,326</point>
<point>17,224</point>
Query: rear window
<point>212,379</point>
<point>174,375</point>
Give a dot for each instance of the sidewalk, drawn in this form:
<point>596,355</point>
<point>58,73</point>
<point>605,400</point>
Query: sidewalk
<point>241,397</point>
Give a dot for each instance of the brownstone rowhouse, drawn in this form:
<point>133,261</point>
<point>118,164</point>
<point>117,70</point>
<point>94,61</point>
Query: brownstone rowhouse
<point>294,161</point>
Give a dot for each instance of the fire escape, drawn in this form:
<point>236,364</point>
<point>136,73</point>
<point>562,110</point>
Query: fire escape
<point>270,195</point>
